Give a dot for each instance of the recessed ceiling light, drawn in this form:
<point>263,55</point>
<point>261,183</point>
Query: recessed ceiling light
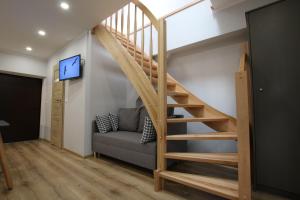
<point>42,32</point>
<point>28,48</point>
<point>64,5</point>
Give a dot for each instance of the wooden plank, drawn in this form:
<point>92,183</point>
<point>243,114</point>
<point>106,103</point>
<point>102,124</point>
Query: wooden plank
<point>169,83</point>
<point>230,159</point>
<point>218,186</point>
<point>47,173</point>
<point>183,105</point>
<point>177,94</point>
<point>205,136</point>
<point>162,99</point>
<point>243,125</point>
<point>196,119</point>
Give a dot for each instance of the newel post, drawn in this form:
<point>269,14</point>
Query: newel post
<point>162,103</point>
<point>243,130</point>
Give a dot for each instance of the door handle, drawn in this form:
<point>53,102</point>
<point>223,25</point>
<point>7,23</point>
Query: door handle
<point>261,89</point>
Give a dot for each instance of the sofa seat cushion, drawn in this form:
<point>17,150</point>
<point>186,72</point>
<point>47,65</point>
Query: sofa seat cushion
<point>126,140</point>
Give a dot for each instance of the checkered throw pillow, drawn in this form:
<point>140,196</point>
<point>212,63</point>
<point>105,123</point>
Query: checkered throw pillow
<point>103,123</point>
<point>114,121</point>
<point>149,133</point>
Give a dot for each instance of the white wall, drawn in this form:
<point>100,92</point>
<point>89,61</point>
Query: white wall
<point>101,90</point>
<point>106,89</point>
<point>22,65</point>
<point>200,22</point>
<point>75,96</point>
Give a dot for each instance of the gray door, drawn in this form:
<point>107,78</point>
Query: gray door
<point>275,54</point>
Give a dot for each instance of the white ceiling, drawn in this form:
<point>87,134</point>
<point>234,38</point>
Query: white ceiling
<point>21,19</point>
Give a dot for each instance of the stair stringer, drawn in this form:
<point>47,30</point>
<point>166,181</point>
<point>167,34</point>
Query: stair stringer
<point>133,71</point>
<point>207,111</point>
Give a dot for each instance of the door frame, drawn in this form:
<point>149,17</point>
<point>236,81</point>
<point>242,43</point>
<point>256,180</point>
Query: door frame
<point>54,81</point>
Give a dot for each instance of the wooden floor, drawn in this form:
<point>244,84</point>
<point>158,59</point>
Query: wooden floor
<point>41,171</point>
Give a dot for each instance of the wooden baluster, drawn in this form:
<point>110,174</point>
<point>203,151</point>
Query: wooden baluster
<point>122,21</point>
<point>128,26</point>
<point>143,43</point>
<point>135,29</point>
<point>151,52</point>
<point>116,25</point>
<point>110,24</point>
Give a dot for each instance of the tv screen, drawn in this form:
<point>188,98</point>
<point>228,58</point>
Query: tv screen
<point>70,68</point>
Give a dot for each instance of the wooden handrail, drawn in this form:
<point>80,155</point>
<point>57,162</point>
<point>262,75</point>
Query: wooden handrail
<point>195,2</point>
<point>181,9</point>
<point>147,12</point>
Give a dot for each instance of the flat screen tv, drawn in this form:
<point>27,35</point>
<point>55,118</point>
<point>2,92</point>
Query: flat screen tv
<point>70,68</point>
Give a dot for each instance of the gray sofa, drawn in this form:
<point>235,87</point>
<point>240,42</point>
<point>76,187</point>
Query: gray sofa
<point>126,146</point>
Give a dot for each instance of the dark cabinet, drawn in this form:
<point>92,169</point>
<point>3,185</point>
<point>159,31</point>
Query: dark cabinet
<point>274,34</point>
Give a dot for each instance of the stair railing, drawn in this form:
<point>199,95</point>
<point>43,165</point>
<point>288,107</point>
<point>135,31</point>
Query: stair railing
<point>120,25</point>
<point>243,99</point>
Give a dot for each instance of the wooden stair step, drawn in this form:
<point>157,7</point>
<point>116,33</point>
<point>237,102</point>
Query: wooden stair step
<point>230,159</point>
<point>147,64</point>
<point>196,119</point>
<point>206,136</point>
<point>178,105</point>
<point>138,51</point>
<point>139,56</point>
<point>169,83</point>
<point>218,186</point>
<point>130,46</point>
<point>177,94</point>
<point>153,72</point>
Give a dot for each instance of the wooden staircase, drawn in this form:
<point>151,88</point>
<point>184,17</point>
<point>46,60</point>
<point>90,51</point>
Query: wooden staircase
<point>153,84</point>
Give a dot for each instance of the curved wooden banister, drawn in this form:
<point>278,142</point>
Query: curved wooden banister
<point>148,13</point>
<point>193,3</point>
